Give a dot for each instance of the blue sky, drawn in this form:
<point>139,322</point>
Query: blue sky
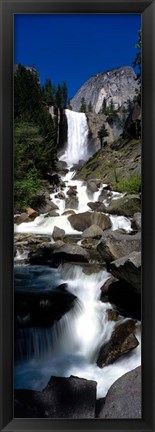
<point>74,47</point>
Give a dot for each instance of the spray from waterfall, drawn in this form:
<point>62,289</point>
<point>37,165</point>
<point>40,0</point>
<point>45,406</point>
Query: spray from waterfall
<point>77,138</point>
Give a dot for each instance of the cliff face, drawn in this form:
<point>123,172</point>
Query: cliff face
<point>117,85</point>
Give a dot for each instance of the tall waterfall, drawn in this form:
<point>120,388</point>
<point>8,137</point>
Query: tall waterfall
<point>77,138</point>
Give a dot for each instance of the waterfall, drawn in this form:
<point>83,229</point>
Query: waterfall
<point>71,345</point>
<point>77,138</point>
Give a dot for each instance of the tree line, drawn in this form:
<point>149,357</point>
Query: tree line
<point>35,138</point>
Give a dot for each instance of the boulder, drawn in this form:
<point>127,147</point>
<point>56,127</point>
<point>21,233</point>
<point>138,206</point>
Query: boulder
<point>128,268</point>
<point>32,213</point>
<point>24,217</point>
<point>123,400</point>
<point>60,195</point>
<point>81,221</point>
<point>94,231</point>
<point>125,206</point>
<point>70,252</point>
<point>72,202</point>
<point>72,191</point>
<point>71,397</point>
<point>47,207</point>
<point>136,221</point>
<point>92,186</point>
<point>115,245</point>
<point>43,254</point>
<point>58,233</point>
<point>97,206</point>
<point>121,342</point>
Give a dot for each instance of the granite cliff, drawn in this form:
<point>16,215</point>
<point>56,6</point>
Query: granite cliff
<point>116,85</point>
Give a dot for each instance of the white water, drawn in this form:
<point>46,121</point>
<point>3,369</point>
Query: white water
<point>72,345</point>
<point>77,138</point>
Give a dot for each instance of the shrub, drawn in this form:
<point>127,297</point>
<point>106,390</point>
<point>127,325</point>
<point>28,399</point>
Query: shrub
<point>131,185</point>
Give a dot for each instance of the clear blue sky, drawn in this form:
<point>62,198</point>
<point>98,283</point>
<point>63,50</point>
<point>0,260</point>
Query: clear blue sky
<point>74,47</point>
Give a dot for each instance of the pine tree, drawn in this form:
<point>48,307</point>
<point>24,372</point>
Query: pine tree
<point>102,133</point>
<point>90,108</point>
<point>64,96</point>
<point>104,106</point>
<point>83,107</point>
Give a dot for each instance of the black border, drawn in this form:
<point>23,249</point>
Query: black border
<point>7,9</point>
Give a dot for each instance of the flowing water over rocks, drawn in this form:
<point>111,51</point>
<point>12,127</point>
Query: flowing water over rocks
<point>61,324</point>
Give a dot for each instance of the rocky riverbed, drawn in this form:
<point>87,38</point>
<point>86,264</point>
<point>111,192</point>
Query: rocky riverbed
<point>78,302</point>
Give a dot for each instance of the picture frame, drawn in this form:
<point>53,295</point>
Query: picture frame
<point>147,9</point>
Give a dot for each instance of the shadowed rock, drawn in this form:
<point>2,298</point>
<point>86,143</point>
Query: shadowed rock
<point>128,268</point>
<point>62,398</point>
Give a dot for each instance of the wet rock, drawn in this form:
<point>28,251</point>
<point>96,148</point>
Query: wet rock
<point>97,206</point>
<point>128,268</point>
<point>81,221</point>
<point>58,233</point>
<point>92,186</point>
<point>113,314</point>
<point>136,221</point>
<point>123,400</point>
<point>60,195</point>
<point>71,397</point>
<point>48,207</point>
<point>72,202</point>
<point>94,231</point>
<point>32,213</point>
<point>72,192</point>
<point>68,212</point>
<point>106,285</point>
<point>115,245</point>
<point>105,194</point>
<point>125,206</point>
<point>121,342</point>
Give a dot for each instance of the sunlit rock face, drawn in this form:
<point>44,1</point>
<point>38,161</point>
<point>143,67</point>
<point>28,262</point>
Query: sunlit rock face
<point>116,85</point>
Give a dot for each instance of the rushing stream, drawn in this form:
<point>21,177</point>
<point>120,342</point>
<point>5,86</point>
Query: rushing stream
<point>71,345</point>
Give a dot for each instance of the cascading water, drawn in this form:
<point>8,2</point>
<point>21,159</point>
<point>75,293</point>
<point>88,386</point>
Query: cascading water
<point>77,138</point>
<point>71,345</point>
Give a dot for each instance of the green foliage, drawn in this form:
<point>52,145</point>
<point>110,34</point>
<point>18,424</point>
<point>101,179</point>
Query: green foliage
<point>35,138</point>
<point>55,95</point>
<point>131,185</point>
<point>26,189</point>
<point>27,94</point>
<point>83,107</point>
<point>49,91</point>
